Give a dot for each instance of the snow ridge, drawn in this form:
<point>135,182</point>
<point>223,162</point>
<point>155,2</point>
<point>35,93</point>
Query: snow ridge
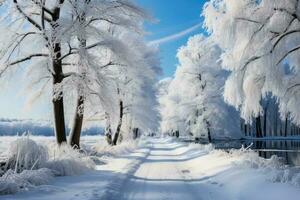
<point>114,190</point>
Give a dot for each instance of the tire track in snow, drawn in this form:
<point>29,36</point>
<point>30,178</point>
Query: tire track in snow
<point>114,189</point>
<point>160,177</point>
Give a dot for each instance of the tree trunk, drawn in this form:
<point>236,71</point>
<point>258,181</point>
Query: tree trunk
<point>208,131</point>
<point>245,130</point>
<point>77,124</point>
<point>58,103</point>
<point>209,135</point>
<point>78,118</point>
<point>249,133</point>
<point>276,124</point>
<point>109,139</point>
<point>108,131</point>
<point>265,121</point>
<point>135,133</point>
<point>281,133</point>
<point>177,133</point>
<point>241,125</point>
<point>118,130</point>
<point>286,127</point>
<point>258,127</point>
<point>108,134</point>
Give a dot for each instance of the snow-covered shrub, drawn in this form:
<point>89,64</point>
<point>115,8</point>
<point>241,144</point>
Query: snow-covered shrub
<point>37,177</point>
<point>25,154</point>
<point>296,179</point>
<point>63,160</point>
<point>245,158</point>
<point>66,161</point>
<point>251,159</point>
<point>11,182</point>
<point>274,167</point>
<point>37,164</point>
<point>7,187</point>
<point>207,148</point>
<point>289,175</point>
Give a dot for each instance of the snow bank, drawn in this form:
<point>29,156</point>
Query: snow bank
<point>237,160</point>
<point>29,164</point>
<point>274,167</point>
<point>12,182</point>
<point>33,161</point>
<point>245,158</point>
<point>208,148</point>
<point>102,148</point>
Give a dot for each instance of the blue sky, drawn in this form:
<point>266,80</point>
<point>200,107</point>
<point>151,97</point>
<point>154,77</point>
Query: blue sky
<point>174,17</point>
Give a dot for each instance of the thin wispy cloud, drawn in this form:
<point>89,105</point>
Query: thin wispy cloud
<point>175,36</point>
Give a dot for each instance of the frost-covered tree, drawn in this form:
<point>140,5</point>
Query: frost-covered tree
<point>195,93</point>
<point>135,81</point>
<point>32,34</point>
<point>169,101</point>
<point>142,105</point>
<point>102,24</point>
<point>260,40</point>
<point>70,44</point>
<point>164,105</point>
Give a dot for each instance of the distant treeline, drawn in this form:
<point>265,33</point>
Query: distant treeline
<point>9,127</point>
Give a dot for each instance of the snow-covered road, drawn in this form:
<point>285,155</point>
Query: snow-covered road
<point>161,175</point>
<point>162,169</point>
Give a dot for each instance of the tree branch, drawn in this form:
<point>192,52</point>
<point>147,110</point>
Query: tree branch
<point>27,58</point>
<point>282,36</point>
<point>42,5</point>
<point>29,19</point>
<point>248,20</point>
<point>23,36</point>
<point>73,51</point>
<point>291,87</point>
<point>254,58</point>
<point>102,19</point>
<point>288,53</point>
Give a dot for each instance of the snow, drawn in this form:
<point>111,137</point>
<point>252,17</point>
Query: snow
<point>35,162</point>
<point>164,168</point>
<point>25,153</point>
<point>12,182</point>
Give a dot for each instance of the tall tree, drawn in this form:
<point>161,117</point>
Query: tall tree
<point>136,92</point>
<point>37,23</point>
<point>260,40</point>
<point>73,46</point>
<point>197,91</point>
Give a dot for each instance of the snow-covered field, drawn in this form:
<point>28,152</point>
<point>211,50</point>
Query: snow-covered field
<point>162,168</point>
